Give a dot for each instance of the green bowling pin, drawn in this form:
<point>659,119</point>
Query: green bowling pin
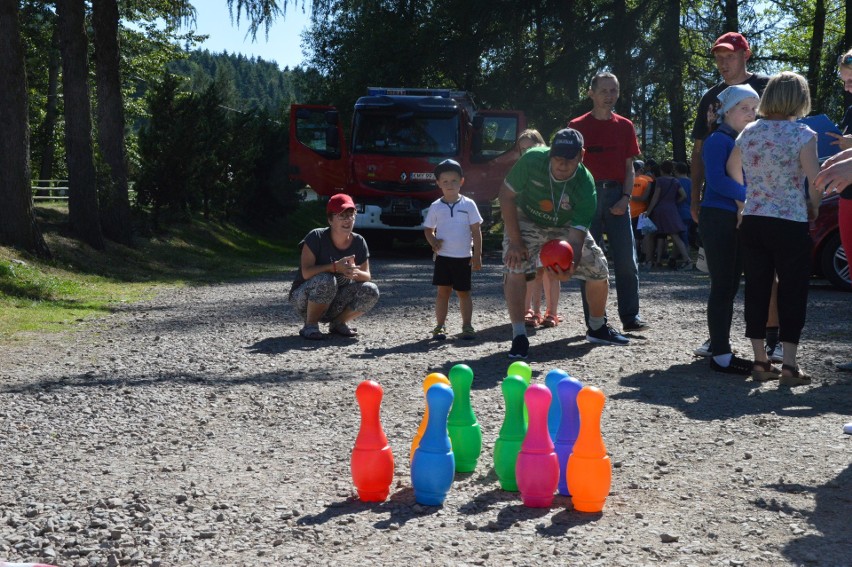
<point>465,433</point>
<point>512,432</point>
<point>522,369</point>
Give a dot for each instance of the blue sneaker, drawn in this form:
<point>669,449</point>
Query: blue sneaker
<point>520,347</point>
<point>606,335</point>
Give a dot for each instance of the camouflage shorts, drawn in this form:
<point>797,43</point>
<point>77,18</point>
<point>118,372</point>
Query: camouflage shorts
<point>592,265</point>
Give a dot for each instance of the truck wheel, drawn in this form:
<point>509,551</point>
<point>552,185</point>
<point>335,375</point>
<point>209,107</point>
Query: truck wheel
<point>835,264</point>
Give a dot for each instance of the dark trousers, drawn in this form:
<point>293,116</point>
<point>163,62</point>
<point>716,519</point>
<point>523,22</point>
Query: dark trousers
<point>723,253</point>
<point>776,246</point>
<point>622,251</point>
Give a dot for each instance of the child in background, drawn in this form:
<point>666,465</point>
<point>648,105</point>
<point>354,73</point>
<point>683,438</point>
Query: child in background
<point>531,138</point>
<point>682,175</point>
<point>778,156</point>
<point>717,225</point>
<point>663,211</point>
<point>453,226</point>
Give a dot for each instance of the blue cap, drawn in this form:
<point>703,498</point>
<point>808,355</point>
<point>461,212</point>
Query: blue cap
<point>566,143</point>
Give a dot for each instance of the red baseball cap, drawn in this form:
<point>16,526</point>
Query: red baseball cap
<point>731,40</point>
<point>339,203</point>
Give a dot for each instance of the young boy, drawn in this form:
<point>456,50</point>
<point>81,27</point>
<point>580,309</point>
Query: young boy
<point>453,224</point>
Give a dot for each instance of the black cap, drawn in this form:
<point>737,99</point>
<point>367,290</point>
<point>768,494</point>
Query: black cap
<point>448,165</point>
<point>567,143</point>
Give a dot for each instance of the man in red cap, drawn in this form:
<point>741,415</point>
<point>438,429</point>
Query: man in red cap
<point>731,52</point>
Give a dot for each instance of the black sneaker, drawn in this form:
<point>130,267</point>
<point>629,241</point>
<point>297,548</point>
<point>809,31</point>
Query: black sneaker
<point>606,335</point>
<point>520,347</point>
<point>636,324</point>
<point>738,365</point>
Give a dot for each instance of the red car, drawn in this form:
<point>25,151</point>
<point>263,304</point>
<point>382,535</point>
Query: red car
<point>829,258</point>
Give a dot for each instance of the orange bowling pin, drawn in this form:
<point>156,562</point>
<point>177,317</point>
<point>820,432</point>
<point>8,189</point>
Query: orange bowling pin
<point>372,459</point>
<point>589,467</point>
<point>430,381</point>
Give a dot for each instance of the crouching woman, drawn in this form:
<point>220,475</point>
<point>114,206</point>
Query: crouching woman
<point>333,283</point>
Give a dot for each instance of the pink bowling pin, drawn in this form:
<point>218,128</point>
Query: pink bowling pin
<point>589,468</point>
<point>537,468</point>
<point>372,459</point>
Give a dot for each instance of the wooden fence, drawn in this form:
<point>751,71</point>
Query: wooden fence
<point>50,189</point>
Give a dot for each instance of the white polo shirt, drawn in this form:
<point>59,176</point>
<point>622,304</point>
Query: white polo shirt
<point>452,223</point>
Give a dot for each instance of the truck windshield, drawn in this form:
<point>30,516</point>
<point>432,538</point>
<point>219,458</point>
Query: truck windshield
<point>406,133</point>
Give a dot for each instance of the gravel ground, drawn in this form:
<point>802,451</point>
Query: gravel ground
<point>198,429</point>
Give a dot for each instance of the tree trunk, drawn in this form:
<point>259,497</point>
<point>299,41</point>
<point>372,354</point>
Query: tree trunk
<point>48,127</point>
<point>673,65</point>
<point>17,221</point>
<point>82,179</point>
<point>622,28</point>
<point>732,15</point>
<point>114,203</point>
<point>814,54</point>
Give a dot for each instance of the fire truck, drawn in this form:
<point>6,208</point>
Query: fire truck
<point>398,135</point>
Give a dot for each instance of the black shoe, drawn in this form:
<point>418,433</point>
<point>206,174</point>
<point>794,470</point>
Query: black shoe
<point>738,365</point>
<point>636,324</point>
<point>606,335</point>
<point>520,347</point>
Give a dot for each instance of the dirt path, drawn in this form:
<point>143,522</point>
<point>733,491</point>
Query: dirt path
<point>198,429</point>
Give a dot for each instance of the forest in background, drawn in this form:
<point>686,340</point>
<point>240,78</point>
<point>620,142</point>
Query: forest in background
<point>112,106</point>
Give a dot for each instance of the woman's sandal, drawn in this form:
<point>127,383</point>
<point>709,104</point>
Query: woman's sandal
<point>311,333</point>
<point>764,371</point>
<point>344,330</point>
<point>795,378</point>
<point>550,320</point>
<point>530,319</point>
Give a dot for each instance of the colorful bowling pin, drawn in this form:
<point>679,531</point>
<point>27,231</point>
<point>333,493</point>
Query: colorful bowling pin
<point>569,427</point>
<point>512,432</point>
<point>537,469</point>
<point>589,468</point>
<point>522,369</point>
<point>434,466</point>
<point>554,414</point>
<point>428,382</point>
<point>465,433</point>
<point>372,459</point>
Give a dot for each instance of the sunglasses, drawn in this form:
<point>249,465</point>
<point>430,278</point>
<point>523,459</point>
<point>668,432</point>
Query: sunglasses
<point>845,60</point>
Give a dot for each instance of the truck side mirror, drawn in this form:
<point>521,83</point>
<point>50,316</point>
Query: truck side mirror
<point>331,140</point>
<point>478,122</point>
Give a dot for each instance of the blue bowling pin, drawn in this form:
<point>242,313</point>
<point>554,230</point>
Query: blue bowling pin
<point>554,414</point>
<point>434,465</point>
<point>569,427</point>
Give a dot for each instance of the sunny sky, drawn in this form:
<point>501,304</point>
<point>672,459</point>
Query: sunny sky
<point>283,45</point>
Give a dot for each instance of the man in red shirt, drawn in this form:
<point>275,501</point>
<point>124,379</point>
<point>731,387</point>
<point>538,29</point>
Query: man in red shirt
<point>611,146</point>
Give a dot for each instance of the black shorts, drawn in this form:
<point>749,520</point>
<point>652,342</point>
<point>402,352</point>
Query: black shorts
<point>452,271</point>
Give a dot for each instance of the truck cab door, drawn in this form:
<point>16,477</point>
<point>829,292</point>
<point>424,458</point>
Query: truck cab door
<point>318,153</point>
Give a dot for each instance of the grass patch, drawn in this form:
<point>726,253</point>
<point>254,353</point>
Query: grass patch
<point>80,283</point>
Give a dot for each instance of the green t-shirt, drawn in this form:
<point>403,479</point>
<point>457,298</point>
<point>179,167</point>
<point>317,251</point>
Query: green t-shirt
<point>536,192</point>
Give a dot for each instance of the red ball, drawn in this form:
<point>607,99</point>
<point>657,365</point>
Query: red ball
<point>557,253</point>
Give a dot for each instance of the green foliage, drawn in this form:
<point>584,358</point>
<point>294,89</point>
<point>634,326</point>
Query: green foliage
<point>198,155</point>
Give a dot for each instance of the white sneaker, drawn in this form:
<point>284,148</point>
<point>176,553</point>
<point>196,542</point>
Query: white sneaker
<point>847,428</point>
<point>704,350</point>
<point>776,354</point>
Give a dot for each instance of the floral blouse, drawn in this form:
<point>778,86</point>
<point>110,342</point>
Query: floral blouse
<point>775,180</point>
